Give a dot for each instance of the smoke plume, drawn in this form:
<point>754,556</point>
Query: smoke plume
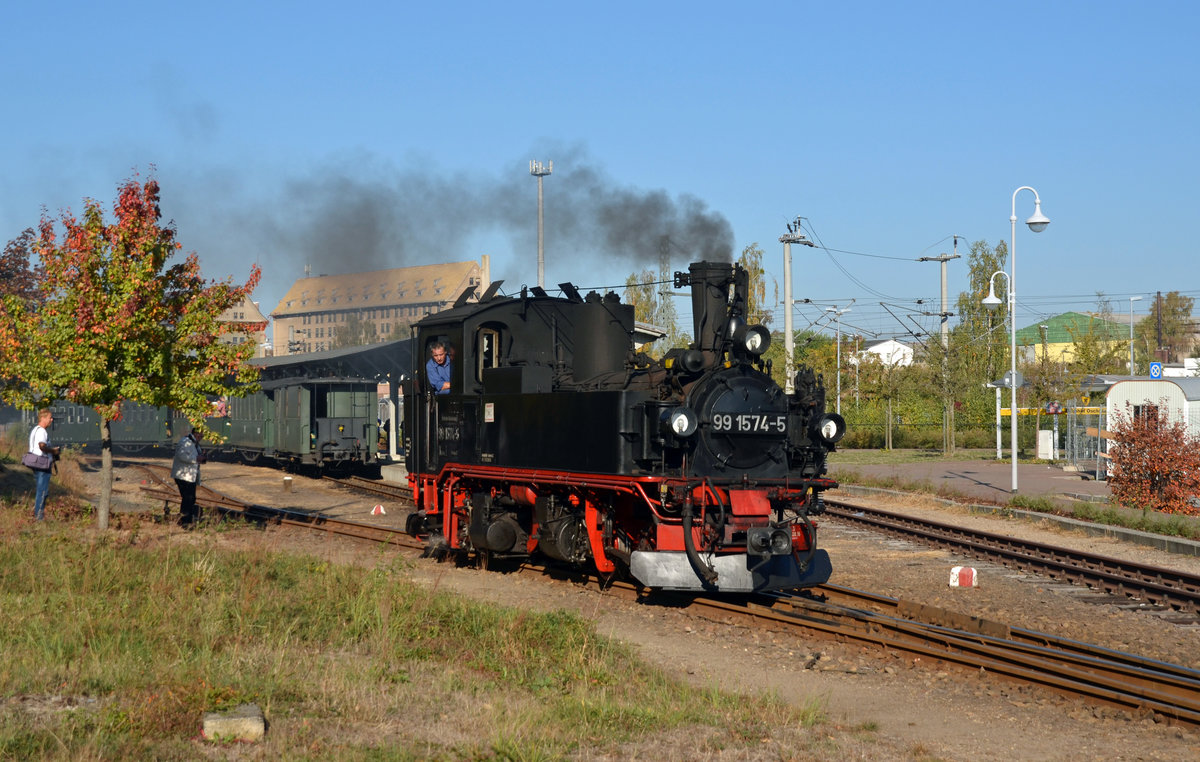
<point>359,214</point>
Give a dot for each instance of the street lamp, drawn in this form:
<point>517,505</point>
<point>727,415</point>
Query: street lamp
<point>540,170</point>
<point>1037,223</point>
<point>1132,299</point>
<point>837,315</point>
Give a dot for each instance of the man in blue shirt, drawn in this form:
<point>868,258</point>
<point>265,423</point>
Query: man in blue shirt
<point>437,370</point>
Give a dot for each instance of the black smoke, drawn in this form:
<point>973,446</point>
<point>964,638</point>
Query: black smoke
<point>360,213</point>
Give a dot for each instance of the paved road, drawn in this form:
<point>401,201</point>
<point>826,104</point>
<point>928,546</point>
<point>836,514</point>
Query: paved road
<point>983,479</point>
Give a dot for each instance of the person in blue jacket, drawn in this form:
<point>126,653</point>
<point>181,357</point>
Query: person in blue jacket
<point>437,370</point>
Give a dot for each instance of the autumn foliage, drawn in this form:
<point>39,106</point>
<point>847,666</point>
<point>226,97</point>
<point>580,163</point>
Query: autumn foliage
<point>111,318</point>
<point>1155,461</point>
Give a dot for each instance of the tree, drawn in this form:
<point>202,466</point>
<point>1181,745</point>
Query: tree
<point>978,344</point>
<point>1155,461</point>
<point>655,308</point>
<point>757,310</point>
<point>1048,380</point>
<point>1173,313</point>
<point>399,331</point>
<point>16,276</point>
<point>355,333</point>
<point>111,321</point>
<point>1096,350</point>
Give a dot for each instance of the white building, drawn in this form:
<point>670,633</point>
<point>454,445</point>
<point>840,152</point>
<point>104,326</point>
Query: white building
<point>1180,397</point>
<point>888,352</point>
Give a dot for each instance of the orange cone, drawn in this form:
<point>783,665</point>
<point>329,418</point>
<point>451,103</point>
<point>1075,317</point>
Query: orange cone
<point>378,511</point>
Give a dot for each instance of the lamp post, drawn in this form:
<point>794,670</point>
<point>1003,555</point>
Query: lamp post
<point>1132,299</point>
<point>837,315</point>
<point>540,170</point>
<point>1037,223</point>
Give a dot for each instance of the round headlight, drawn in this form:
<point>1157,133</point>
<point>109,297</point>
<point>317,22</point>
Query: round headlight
<point>753,339</point>
<point>757,342</point>
<point>681,422</point>
<point>832,428</point>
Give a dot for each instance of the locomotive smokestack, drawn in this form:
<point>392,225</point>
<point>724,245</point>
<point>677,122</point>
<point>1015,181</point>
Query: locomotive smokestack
<point>710,307</point>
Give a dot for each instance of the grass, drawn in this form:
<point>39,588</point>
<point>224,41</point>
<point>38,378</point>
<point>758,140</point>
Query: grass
<point>116,646</point>
<point>888,457</point>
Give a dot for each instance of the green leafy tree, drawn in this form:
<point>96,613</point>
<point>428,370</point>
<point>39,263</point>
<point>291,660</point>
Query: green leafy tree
<point>978,343</point>
<point>807,351</point>
<point>1155,461</point>
<point>355,332</point>
<point>1174,312</point>
<point>1095,349</point>
<point>1048,380</point>
<point>112,321</point>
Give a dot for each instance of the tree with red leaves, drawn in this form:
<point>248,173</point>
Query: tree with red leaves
<point>1155,461</point>
<point>16,276</point>
<point>112,321</point>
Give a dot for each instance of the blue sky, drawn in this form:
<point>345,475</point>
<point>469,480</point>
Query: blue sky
<point>362,135</point>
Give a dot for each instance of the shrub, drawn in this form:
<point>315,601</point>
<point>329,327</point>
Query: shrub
<point>1155,461</point>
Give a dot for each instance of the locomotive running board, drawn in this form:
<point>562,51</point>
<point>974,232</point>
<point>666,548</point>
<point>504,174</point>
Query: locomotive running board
<point>739,573</point>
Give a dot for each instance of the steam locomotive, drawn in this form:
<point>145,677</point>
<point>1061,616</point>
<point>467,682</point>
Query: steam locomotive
<point>696,472</point>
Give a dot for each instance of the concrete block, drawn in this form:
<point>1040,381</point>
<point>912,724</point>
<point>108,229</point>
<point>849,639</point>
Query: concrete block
<point>245,723</point>
<point>396,473</point>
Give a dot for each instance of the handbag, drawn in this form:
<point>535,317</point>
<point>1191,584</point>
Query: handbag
<point>37,462</point>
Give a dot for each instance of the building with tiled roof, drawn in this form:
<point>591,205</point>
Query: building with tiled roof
<point>246,312</point>
<point>310,313</point>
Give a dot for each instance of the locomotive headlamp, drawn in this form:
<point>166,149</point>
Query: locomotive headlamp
<point>680,421</point>
<point>768,541</point>
<point>692,360</point>
<point>753,339</point>
<point>832,428</point>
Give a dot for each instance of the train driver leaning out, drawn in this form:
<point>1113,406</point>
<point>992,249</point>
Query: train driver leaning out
<point>437,370</point>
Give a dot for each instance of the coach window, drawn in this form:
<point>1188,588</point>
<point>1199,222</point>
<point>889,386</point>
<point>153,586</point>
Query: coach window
<point>487,350</point>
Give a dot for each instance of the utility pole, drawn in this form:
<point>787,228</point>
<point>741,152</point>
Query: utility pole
<point>947,408</point>
<point>789,340</point>
<point>1159,354</point>
<point>539,170</point>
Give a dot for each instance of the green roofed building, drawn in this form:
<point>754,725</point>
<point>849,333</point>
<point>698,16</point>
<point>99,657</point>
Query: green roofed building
<point>1061,333</point>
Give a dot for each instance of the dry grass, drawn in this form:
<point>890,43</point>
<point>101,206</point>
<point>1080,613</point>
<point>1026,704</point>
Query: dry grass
<point>117,644</point>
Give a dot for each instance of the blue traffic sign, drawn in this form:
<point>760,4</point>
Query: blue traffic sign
<point>1155,370</point>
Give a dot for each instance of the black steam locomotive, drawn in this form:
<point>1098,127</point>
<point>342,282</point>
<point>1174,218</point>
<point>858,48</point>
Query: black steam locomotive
<point>696,472</point>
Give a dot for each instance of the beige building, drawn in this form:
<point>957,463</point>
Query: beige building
<point>310,313</point>
<point>246,312</point>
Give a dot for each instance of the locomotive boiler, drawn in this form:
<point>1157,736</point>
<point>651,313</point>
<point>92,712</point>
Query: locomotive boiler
<point>693,472</point>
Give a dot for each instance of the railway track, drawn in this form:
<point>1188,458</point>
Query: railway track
<point>1069,667</point>
<point>1150,585</point>
<point>163,486</point>
<point>372,486</point>
<point>1099,675</point>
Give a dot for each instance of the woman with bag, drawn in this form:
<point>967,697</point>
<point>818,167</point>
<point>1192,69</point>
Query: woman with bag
<point>40,458</point>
